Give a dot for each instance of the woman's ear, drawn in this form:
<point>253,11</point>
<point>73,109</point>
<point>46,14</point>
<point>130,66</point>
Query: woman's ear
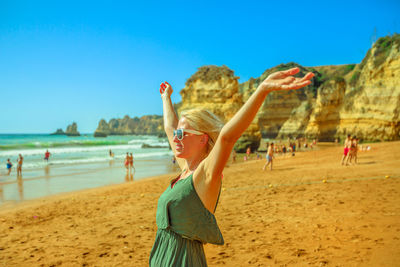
<point>204,139</point>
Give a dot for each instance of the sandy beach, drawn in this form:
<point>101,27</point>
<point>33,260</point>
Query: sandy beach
<point>308,211</point>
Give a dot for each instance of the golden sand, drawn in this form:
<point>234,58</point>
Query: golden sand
<point>285,217</point>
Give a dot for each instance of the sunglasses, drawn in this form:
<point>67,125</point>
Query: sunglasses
<point>180,133</point>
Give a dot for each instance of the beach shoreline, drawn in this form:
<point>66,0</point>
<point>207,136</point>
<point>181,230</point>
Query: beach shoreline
<point>309,210</point>
<point>58,179</point>
<point>52,180</point>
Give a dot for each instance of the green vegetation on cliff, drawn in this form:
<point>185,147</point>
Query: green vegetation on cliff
<point>383,46</point>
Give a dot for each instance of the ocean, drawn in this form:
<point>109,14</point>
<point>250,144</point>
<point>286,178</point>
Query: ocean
<point>76,163</point>
<point>75,150</point>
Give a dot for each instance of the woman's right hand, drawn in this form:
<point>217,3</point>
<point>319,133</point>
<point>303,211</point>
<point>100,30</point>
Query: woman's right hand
<point>168,89</point>
<point>284,80</point>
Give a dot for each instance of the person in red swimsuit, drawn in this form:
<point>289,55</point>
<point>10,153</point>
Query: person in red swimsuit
<point>127,160</point>
<point>347,144</point>
<point>47,155</point>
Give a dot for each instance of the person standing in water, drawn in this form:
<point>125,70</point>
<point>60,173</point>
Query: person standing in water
<point>47,156</point>
<point>131,167</point>
<point>9,166</point>
<point>248,152</point>
<point>126,162</point>
<point>202,145</point>
<point>19,165</point>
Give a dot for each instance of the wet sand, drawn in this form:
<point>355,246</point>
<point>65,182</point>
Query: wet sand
<point>308,211</point>
<point>53,179</point>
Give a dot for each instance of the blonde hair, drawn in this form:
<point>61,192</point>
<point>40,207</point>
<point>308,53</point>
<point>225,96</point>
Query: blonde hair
<point>206,122</point>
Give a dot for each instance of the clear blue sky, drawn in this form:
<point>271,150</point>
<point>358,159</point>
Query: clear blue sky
<point>65,61</point>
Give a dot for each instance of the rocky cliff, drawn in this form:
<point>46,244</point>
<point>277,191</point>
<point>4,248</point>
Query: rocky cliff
<point>213,88</point>
<point>371,104</point>
<point>359,99</point>
<point>217,89</point>
<point>281,107</point>
<point>324,116</point>
<point>146,125</point>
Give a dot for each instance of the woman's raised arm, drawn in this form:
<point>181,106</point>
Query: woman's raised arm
<point>230,133</point>
<point>170,119</point>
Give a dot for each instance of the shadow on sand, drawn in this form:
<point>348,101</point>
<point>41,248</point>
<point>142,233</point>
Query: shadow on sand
<point>366,163</point>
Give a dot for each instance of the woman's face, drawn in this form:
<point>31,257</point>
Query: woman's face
<point>191,144</point>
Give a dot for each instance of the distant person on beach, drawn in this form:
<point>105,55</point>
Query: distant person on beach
<point>19,165</point>
<point>346,149</point>
<point>248,152</point>
<point>233,156</point>
<point>173,160</point>
<point>293,148</point>
<point>269,156</point>
<point>9,166</point>
<point>131,167</point>
<point>353,151</point>
<point>202,145</point>
<point>356,149</point>
<point>126,162</point>
<point>47,155</point>
<point>111,153</point>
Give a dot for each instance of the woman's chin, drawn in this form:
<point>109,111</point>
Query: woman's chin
<point>179,154</point>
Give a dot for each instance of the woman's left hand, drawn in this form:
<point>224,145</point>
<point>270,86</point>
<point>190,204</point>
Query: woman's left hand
<point>284,80</point>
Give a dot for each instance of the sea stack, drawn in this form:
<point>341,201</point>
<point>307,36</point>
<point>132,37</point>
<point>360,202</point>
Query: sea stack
<point>72,130</point>
<point>103,130</point>
<point>58,132</point>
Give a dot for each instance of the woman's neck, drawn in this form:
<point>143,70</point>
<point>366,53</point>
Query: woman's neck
<point>192,164</point>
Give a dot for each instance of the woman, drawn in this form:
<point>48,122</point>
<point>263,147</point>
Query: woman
<point>353,150</point>
<point>185,212</point>
<point>131,167</point>
<point>20,161</point>
<point>126,162</point>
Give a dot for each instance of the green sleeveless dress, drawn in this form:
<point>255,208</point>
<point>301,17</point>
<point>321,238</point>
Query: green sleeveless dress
<point>184,224</point>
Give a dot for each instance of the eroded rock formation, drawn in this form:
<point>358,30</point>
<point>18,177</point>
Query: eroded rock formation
<point>372,105</point>
<point>359,99</point>
<point>72,130</point>
<point>58,132</point>
<point>146,125</point>
<point>217,90</point>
